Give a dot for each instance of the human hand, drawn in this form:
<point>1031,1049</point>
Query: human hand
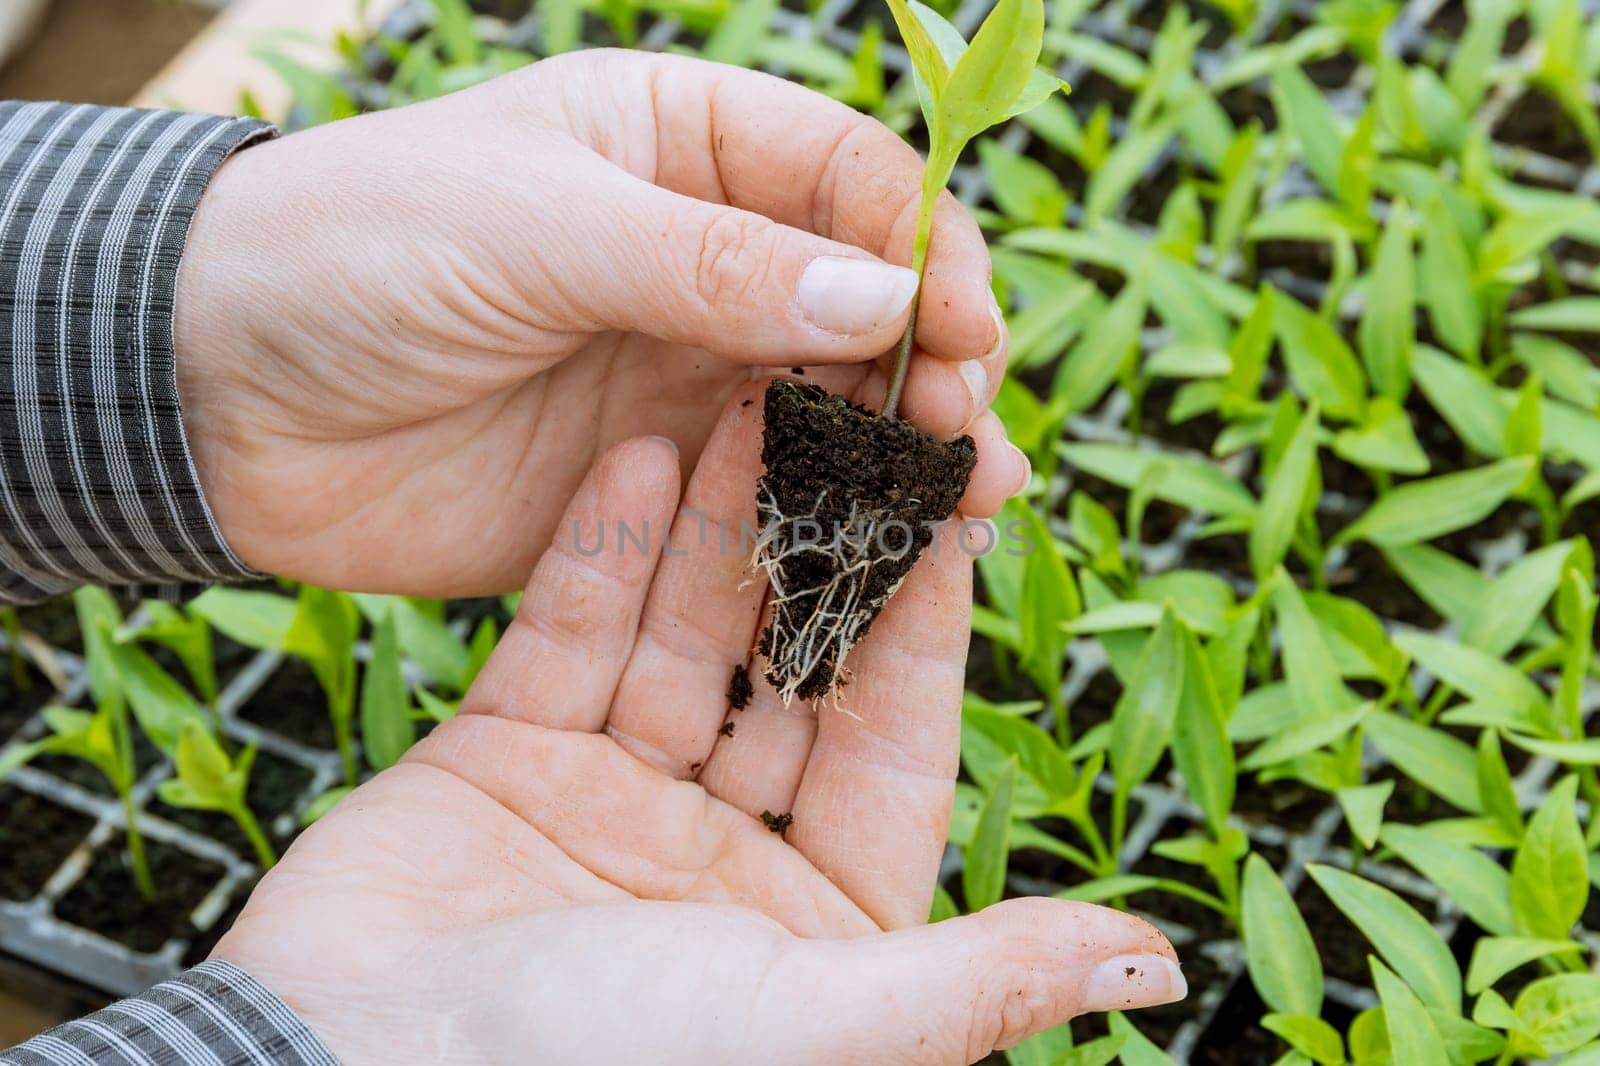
<point>574,869</point>
<point>451,309</point>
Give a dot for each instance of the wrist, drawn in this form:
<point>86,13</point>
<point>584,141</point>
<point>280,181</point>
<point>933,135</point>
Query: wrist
<point>216,356</point>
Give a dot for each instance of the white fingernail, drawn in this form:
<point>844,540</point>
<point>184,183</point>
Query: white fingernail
<point>975,376</point>
<point>854,295</point>
<point>999,328</point>
<point>1027,469</point>
<point>1129,981</point>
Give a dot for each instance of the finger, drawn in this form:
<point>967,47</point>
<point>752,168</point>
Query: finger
<point>950,993</point>
<point>735,282</point>
<point>653,837</point>
<point>700,618</point>
<point>788,153</point>
<point>874,803</point>
<point>945,398</point>
<point>760,757</point>
<point>558,663</point>
<point>1001,472</point>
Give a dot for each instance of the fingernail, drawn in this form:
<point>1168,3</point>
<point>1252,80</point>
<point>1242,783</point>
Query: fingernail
<point>668,441</point>
<point>975,376</point>
<point>999,317</point>
<point>854,295</point>
<point>1027,468</point>
<point>1129,981</point>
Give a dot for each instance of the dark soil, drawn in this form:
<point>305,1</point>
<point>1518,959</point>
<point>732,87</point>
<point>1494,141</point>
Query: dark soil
<point>777,822</point>
<point>17,705</point>
<point>1287,804</point>
<point>1366,578</point>
<point>826,457</point>
<point>275,786</point>
<point>106,902</point>
<point>739,688</point>
<point>1537,123</point>
<point>1235,1035</point>
<point>293,704</point>
<point>36,836</point>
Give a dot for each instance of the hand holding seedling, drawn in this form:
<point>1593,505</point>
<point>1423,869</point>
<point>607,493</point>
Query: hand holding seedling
<point>602,245</point>
<point>582,866</point>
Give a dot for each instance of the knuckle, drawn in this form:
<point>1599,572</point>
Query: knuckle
<point>730,263</point>
<point>1005,1014</point>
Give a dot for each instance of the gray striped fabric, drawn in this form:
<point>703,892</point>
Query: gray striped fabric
<point>96,480</point>
<point>212,1015</point>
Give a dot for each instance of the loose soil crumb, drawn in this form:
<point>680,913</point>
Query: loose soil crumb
<point>739,688</point>
<point>872,489</point>
<point>727,728</point>
<point>777,822</point>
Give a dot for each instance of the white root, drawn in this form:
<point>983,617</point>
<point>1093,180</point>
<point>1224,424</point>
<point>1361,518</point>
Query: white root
<point>804,637</point>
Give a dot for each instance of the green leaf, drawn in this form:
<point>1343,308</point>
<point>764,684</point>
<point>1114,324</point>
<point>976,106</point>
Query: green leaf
<point>1512,604</point>
<point>1042,763</point>
<point>1567,372</point>
<point>1561,1012</point>
<point>1388,323</point>
<point>1142,721</point>
<point>1445,766</point>
<point>386,728</point>
<point>992,73</point>
<point>1302,107</point>
<point>1515,238</point>
<point>927,61</point>
<point>1287,497</point>
<point>1023,188</point>
<point>983,879</point>
<point>1575,314</point>
<point>1320,362</point>
<point>1495,790</point>
<point>1306,735</point>
<point>1495,956</point>
<point>1478,675</point>
<point>1549,876</point>
<point>323,633</point>
<point>1446,281</point>
<point>1200,746</point>
<point>1413,1038</point>
<point>1363,809</point>
<point>1195,484</point>
<point>1129,161</point>
<point>1106,346</point>
<point>1309,1035</point>
<point>161,705</point>
<point>1384,442</point>
<point>254,619</point>
<point>1402,936</point>
<point>1422,510</point>
<point>424,638</point>
<point>738,37</point>
<point>1282,957</point>
<point>1312,674</point>
<point>1050,600</point>
<point>1465,398</point>
<point>1478,885</point>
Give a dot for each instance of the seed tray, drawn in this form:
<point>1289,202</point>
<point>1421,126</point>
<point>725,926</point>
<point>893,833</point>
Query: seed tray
<point>30,929</point>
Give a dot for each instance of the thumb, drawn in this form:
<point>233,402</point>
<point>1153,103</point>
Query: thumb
<point>739,284</point>
<point>950,993</point>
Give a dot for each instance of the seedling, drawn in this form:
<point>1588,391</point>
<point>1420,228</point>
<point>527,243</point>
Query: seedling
<point>208,780</point>
<point>848,497</point>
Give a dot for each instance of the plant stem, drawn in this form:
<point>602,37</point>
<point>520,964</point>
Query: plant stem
<point>919,259</point>
<point>347,751</point>
<point>141,864</point>
<point>258,840</point>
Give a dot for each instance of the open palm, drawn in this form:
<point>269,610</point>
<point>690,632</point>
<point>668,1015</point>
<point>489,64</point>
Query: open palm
<point>576,868</point>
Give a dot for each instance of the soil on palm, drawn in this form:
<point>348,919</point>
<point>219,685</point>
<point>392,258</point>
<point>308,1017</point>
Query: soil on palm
<point>847,472</point>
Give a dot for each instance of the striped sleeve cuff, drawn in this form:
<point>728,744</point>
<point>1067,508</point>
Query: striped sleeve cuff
<point>96,480</point>
<point>215,1014</point>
